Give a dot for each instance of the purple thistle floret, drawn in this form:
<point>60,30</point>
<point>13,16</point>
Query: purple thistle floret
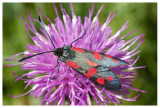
<point>69,83</point>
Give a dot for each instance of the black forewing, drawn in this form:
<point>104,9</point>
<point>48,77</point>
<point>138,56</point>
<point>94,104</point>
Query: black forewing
<point>105,61</point>
<point>111,82</point>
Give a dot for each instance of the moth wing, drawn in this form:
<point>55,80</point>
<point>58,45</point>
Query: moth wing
<point>106,78</point>
<point>110,61</point>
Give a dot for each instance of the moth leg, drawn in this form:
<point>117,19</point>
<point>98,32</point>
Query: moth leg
<point>58,67</point>
<point>58,64</point>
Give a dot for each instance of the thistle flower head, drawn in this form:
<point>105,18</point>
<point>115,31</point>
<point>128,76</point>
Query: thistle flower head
<point>56,87</point>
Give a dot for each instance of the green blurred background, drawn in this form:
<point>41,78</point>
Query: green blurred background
<point>142,17</point>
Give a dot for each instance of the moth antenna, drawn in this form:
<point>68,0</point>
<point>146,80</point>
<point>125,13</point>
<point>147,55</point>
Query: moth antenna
<point>33,56</point>
<point>46,31</point>
<point>78,38</point>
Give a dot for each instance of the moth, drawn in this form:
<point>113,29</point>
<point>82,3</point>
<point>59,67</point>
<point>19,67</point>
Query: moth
<point>93,65</point>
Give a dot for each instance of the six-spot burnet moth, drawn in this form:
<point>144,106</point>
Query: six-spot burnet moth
<point>93,65</point>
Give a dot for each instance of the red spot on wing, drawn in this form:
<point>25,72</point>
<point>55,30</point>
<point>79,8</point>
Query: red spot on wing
<point>91,63</point>
<point>116,61</point>
<point>72,64</point>
<point>92,71</point>
<point>78,49</point>
<point>97,55</point>
<point>109,78</point>
<point>108,56</point>
<point>100,80</point>
<point>87,75</point>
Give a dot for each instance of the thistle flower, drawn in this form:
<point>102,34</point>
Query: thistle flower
<point>69,83</point>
